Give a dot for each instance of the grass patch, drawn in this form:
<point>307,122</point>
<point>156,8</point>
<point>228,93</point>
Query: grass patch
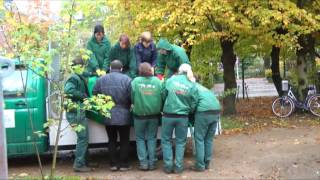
<point>228,122</point>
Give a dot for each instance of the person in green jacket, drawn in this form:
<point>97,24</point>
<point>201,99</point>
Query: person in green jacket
<point>181,98</point>
<point>100,46</point>
<point>171,57</point>
<point>147,105</point>
<point>76,90</point>
<point>123,52</point>
<point>206,119</point>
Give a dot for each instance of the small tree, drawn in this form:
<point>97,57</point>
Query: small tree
<point>27,39</point>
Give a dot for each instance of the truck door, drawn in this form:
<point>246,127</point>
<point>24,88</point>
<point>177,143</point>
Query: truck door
<point>23,107</point>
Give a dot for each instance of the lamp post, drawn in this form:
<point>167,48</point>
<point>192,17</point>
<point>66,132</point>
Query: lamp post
<point>6,68</point>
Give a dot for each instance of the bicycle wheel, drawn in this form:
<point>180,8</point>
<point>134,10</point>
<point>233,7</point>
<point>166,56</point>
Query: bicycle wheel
<point>283,106</point>
<point>314,105</point>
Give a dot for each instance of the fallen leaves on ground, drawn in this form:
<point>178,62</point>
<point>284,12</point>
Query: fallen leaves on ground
<point>255,114</point>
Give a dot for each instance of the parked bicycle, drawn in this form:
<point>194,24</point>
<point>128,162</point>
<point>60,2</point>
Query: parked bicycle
<point>284,106</point>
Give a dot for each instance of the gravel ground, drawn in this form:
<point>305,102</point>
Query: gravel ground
<point>271,154</point>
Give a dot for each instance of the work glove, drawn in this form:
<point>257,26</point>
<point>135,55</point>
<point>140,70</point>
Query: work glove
<point>160,76</point>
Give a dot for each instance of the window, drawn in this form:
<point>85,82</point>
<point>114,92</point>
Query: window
<point>13,85</point>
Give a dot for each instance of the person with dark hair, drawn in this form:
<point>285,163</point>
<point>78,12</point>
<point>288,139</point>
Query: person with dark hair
<point>76,90</point>
<point>100,46</point>
<point>123,52</point>
<point>181,98</point>
<point>118,86</point>
<point>147,104</point>
<point>169,59</point>
<point>146,50</point>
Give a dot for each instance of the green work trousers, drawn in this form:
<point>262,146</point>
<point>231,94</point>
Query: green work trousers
<point>204,131</point>
<point>180,127</point>
<point>74,119</point>
<point>146,131</point>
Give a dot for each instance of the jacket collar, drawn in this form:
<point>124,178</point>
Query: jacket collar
<point>115,71</point>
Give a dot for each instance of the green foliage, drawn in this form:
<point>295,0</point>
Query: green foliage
<point>205,58</point>
<point>100,103</point>
<point>227,93</point>
<point>268,73</point>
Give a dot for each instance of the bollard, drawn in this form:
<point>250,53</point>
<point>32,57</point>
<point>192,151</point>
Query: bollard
<point>6,68</point>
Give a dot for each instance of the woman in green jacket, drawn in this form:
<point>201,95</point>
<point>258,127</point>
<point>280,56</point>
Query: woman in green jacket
<point>100,46</point>
<point>147,104</point>
<point>123,52</point>
<point>206,119</point>
<point>181,98</point>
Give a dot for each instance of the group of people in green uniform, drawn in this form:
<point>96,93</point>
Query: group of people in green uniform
<point>154,85</point>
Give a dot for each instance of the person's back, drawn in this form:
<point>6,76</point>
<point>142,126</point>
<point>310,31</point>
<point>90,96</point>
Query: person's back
<point>207,100</point>
<point>206,119</point>
<point>146,96</point>
<point>147,104</point>
<point>181,100</point>
<point>118,86</point>
<point>181,95</point>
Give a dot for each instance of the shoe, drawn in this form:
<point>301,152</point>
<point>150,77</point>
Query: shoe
<point>143,168</point>
<point>152,167</point>
<point>93,164</point>
<point>194,168</point>
<point>178,171</point>
<point>114,168</point>
<point>125,168</point>
<point>82,169</point>
<point>207,166</point>
<point>167,171</point>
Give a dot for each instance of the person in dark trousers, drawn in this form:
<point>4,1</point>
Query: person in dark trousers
<point>76,90</point>
<point>100,46</point>
<point>123,52</point>
<point>181,98</point>
<point>147,105</point>
<point>118,86</point>
<point>146,50</point>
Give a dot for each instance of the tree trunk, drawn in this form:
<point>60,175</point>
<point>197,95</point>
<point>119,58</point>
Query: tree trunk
<point>228,59</point>
<point>305,65</point>
<point>276,77</point>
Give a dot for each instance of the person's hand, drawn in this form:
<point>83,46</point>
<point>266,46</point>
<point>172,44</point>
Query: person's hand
<point>160,76</point>
<point>100,72</point>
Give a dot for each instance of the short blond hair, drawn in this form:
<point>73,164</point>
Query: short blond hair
<point>146,36</point>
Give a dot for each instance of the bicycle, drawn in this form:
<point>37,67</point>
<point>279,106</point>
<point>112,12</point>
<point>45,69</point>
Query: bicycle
<point>284,106</point>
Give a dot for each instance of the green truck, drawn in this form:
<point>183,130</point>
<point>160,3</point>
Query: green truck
<point>20,106</point>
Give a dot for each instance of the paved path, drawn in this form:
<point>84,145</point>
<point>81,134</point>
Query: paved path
<point>257,87</point>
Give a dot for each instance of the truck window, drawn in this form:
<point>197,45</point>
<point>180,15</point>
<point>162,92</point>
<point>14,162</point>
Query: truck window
<point>13,85</point>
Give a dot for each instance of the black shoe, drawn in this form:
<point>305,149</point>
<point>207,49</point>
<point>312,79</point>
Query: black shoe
<point>194,168</point>
<point>178,171</point>
<point>143,168</point>
<point>152,167</point>
<point>93,164</point>
<point>207,166</point>
<point>167,171</point>
<point>82,169</point>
